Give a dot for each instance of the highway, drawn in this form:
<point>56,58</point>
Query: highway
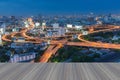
<point>47,54</point>
<point>60,71</point>
<point>56,45</point>
<point>51,50</point>
<point>95,45</point>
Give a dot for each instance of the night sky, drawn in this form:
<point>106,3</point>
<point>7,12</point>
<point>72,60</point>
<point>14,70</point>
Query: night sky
<point>52,7</point>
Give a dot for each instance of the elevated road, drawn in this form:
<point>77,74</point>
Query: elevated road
<point>95,45</point>
<point>56,45</point>
<point>84,43</point>
<point>51,50</point>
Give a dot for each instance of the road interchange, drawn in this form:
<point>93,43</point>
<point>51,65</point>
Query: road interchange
<point>56,45</point>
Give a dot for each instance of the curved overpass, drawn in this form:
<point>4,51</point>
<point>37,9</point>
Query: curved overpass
<point>49,52</point>
<point>99,44</point>
<point>55,45</point>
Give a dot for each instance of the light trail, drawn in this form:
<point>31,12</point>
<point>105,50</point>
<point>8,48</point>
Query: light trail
<point>56,45</point>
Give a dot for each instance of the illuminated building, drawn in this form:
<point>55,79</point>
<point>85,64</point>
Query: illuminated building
<point>84,32</point>
<point>61,31</point>
<point>55,25</point>
<point>1,31</point>
<point>0,40</point>
<point>99,22</point>
<point>26,24</point>
<point>43,25</point>
<point>22,57</point>
<point>78,27</point>
<point>3,28</point>
<point>37,24</point>
<point>69,25</point>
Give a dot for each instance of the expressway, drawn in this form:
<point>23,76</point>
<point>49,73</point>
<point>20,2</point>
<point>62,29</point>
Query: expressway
<point>60,71</point>
<point>85,43</point>
<point>56,45</point>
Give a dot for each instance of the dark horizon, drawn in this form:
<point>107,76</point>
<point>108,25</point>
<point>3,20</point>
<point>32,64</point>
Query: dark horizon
<point>55,7</point>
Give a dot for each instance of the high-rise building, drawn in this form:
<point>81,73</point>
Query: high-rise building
<point>61,31</point>
<point>3,28</point>
<point>55,25</point>
<point>37,24</point>
<point>43,25</point>
<point>0,40</point>
<point>78,27</point>
<point>26,24</point>
<point>69,26</point>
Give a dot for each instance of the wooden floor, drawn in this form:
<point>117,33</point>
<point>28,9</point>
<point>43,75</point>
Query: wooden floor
<point>60,71</point>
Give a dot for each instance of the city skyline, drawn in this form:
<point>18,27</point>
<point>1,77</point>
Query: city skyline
<point>60,33</point>
<point>34,7</point>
